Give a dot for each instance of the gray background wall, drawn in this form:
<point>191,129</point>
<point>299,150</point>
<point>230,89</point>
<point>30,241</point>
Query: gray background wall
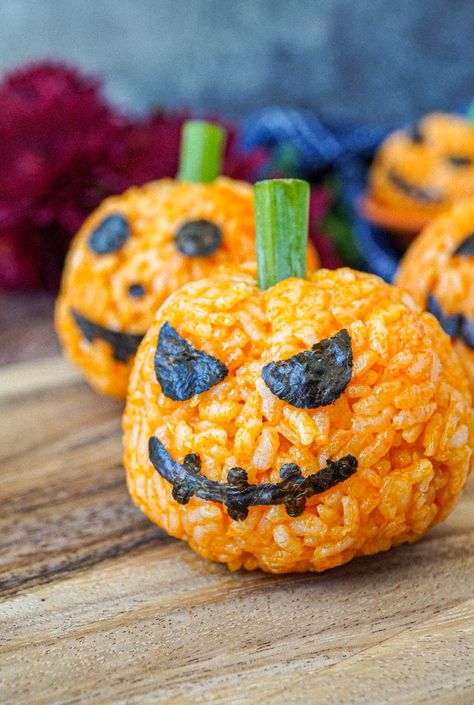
<point>373,60</point>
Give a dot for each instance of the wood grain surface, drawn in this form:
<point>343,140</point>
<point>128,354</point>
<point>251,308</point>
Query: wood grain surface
<point>99,606</point>
<point>26,327</point>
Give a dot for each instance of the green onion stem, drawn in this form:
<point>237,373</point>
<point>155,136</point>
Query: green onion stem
<point>281,223</point>
<point>202,147</point>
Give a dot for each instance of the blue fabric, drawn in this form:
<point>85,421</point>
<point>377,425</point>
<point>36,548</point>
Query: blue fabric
<point>320,144</point>
<point>346,149</point>
<point>376,246</point>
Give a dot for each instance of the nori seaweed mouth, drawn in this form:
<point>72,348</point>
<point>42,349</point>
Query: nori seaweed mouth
<point>423,195</point>
<point>237,494</point>
<point>456,325</point>
<point>124,345</point>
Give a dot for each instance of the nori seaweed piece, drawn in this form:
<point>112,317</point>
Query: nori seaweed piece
<point>459,161</point>
<point>124,345</point>
<point>416,192</point>
<point>450,323</point>
<point>237,495</point>
<point>181,370</point>
<point>136,291</point>
<point>415,134</point>
<point>198,238</point>
<point>456,325</point>
<point>315,377</point>
<point>467,332</point>
<point>466,247</point>
<point>110,235</point>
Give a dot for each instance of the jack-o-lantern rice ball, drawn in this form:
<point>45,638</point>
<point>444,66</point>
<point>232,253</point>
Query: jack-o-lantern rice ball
<point>438,271</point>
<point>293,428</point>
<point>418,174</point>
<point>135,250</point>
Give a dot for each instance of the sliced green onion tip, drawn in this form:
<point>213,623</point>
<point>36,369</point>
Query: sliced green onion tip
<point>202,148</point>
<point>281,223</point>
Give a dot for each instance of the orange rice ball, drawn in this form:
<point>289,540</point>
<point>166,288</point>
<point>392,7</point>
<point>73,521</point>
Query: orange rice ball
<point>420,173</point>
<point>295,428</point>
<point>438,271</point>
<point>132,252</point>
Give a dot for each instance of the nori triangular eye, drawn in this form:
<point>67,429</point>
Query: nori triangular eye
<point>315,377</point>
<point>466,247</point>
<point>183,371</point>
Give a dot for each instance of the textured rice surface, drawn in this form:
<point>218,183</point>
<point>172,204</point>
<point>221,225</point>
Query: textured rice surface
<point>429,267</point>
<point>97,285</point>
<point>405,415</point>
<point>425,165</point>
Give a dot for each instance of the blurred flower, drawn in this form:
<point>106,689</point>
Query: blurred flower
<point>56,132</point>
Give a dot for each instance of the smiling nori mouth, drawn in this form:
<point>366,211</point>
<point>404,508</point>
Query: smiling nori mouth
<point>237,494</point>
<point>124,345</point>
<point>418,194</point>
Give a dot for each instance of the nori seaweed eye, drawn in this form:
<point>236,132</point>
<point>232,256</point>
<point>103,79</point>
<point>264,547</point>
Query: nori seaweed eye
<point>183,371</point>
<point>136,291</point>
<point>315,377</point>
<point>466,247</point>
<point>198,238</point>
<point>110,235</point>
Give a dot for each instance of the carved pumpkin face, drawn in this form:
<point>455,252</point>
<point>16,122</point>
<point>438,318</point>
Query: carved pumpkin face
<point>418,174</point>
<point>294,428</point>
<point>132,253</point>
<point>438,271</point>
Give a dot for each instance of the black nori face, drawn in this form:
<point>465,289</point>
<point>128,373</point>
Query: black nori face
<point>110,235</point>
<point>183,371</point>
<point>466,248</point>
<point>423,195</point>
<point>124,345</point>
<point>198,238</point>
<point>456,325</point>
<point>237,494</point>
<point>315,377</point>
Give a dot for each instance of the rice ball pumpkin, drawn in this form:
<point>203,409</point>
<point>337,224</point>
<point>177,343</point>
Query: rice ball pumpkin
<point>295,425</point>
<point>419,173</point>
<point>438,271</point>
<point>139,247</point>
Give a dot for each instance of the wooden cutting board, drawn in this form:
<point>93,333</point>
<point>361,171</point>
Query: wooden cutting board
<point>100,606</point>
